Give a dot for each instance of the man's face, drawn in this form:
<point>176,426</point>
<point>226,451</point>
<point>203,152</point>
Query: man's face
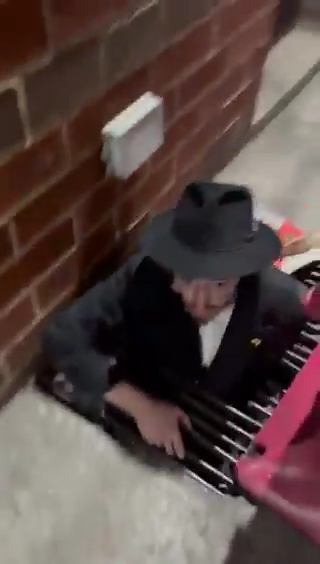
<point>205,299</point>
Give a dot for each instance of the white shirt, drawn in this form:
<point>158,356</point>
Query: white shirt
<point>211,334</point>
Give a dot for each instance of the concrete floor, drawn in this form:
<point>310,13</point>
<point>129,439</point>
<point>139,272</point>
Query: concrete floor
<point>69,495</point>
<point>282,165</point>
<point>302,45</point>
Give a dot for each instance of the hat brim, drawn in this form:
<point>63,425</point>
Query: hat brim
<point>159,243</point>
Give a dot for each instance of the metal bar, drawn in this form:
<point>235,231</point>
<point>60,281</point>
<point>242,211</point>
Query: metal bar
<point>215,417</point>
<point>309,282</point>
<point>229,408</point>
<point>273,388</point>
<point>207,485</point>
<point>195,461</point>
<point>314,327</point>
<point>274,401</point>
<point>226,455</point>
<point>311,339</point>
<point>295,358</point>
<point>290,365</point>
<point>260,408</point>
<point>210,431</point>
<point>212,448</point>
<point>268,398</point>
<point>277,393</point>
<point>303,349</point>
<point>215,471</point>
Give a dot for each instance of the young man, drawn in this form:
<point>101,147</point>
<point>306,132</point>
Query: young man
<point>184,311</point>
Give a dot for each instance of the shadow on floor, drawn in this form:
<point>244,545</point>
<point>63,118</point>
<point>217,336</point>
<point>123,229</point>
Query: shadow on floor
<point>269,540</point>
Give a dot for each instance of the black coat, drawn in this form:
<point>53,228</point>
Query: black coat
<point>134,327</point>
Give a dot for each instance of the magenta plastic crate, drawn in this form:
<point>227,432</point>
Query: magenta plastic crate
<point>284,471</point>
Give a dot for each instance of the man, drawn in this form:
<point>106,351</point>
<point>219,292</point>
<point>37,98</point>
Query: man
<point>183,312</point>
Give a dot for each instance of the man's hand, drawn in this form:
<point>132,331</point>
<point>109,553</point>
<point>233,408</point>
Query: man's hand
<point>158,422</point>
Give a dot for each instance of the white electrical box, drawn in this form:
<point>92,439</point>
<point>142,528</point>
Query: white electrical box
<point>133,136</point>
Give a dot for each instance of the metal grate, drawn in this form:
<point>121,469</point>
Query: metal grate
<point>222,433</point>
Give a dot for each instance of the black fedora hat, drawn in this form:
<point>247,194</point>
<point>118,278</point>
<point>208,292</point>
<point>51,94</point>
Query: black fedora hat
<point>211,234</point>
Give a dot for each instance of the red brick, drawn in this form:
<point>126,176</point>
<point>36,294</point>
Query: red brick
<point>136,179</point>
<point>104,200</point>
<point>135,5</point>
<point>36,261</point>
<point>251,38</point>
<point>233,83</point>
<point>255,63</point>
<point>234,108</point>
<point>21,353</point>
<point>166,201</point>
<point>120,188</point>
<point>133,43</point>
<point>84,131</point>
<point>169,198</point>
<point>196,144</point>
<point>178,133</point>
<point>58,199</point>
<point>170,103</point>
<point>22,33</point>
<point>97,246</point>
<point>64,277</point>
<point>11,132</point>
<point>179,58</point>
<point>238,13</point>
<point>15,320</point>
<point>216,99</point>
<point>30,168</point>
<point>4,383</point>
<point>19,356</point>
<point>97,206</point>
<point>69,18</point>
<point>204,77</point>
<point>231,140</point>
<point>57,90</point>
<point>140,201</point>
<point>128,243</point>
<point>179,14</point>
<point>6,250</point>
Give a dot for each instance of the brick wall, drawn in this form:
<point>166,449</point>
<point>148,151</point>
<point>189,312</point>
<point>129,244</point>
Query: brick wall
<point>67,67</point>
<point>311,8</point>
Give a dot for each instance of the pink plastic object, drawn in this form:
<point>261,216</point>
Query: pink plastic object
<point>286,232</point>
<point>285,229</point>
<point>312,303</point>
<point>286,475</point>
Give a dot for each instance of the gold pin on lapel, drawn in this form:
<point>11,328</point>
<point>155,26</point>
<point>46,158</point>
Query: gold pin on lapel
<point>256,342</point>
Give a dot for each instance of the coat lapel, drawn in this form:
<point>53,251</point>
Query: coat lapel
<point>158,329</point>
<point>235,349</point>
<point>162,339</point>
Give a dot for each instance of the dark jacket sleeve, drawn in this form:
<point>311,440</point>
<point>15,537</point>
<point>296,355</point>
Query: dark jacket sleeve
<point>281,297</point>
<point>69,338</point>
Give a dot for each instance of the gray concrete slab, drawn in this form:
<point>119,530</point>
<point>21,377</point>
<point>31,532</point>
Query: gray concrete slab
<point>282,165</point>
<point>68,494</point>
<point>288,62</point>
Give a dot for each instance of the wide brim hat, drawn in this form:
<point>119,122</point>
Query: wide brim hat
<point>211,234</point>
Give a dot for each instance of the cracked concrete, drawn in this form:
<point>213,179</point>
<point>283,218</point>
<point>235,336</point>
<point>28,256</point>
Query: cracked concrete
<point>68,494</point>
